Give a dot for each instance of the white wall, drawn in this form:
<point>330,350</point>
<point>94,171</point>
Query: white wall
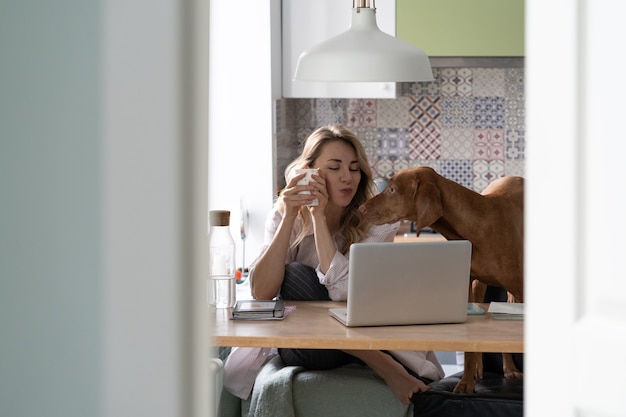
<point>575,287</point>
<point>155,199</point>
<point>103,211</point>
<point>243,87</point>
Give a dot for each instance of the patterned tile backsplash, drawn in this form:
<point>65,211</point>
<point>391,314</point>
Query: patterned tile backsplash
<point>468,125</point>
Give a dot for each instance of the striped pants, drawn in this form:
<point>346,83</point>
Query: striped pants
<point>301,284</point>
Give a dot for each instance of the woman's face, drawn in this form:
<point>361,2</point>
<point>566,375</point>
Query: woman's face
<point>340,168</point>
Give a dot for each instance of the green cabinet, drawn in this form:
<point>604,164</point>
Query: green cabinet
<point>463,28</point>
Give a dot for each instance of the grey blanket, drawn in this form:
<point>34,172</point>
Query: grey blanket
<point>289,391</point>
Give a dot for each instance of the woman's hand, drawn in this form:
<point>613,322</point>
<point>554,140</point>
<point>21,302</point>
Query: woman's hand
<point>292,198</point>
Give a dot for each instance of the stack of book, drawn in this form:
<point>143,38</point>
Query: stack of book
<point>506,311</point>
<point>259,310</point>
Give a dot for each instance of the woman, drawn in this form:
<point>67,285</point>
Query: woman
<point>306,254</point>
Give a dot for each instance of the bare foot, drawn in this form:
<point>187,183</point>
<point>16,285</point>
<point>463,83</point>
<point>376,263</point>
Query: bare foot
<point>402,384</point>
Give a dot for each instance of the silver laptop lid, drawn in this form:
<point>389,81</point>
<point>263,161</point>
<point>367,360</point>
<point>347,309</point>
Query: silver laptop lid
<point>408,283</point>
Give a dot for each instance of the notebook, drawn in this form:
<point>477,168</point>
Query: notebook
<point>406,283</point>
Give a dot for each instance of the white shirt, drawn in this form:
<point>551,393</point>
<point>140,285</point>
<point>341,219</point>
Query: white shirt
<point>336,278</point>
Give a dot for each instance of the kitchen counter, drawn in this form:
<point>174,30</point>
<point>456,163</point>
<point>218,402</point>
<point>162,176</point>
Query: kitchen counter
<point>406,235</point>
<point>423,237</point>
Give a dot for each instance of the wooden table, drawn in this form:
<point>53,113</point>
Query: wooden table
<point>311,326</point>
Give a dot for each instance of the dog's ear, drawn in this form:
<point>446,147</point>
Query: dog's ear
<point>427,204</point>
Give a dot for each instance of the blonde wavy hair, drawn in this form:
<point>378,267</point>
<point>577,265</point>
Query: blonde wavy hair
<point>353,227</point>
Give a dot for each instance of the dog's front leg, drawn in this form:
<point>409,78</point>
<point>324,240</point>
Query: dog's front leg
<point>471,372</point>
<point>508,365</point>
<point>473,363</point>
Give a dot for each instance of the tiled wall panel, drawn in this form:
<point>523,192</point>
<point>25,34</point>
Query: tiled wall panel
<point>468,125</point>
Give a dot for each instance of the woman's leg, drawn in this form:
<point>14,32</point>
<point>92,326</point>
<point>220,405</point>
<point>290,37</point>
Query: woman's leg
<point>301,284</point>
<point>316,359</point>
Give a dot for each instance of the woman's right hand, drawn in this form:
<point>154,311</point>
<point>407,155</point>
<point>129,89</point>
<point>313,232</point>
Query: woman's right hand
<point>292,198</point>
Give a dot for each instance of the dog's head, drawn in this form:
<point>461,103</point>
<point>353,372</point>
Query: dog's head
<point>411,194</point>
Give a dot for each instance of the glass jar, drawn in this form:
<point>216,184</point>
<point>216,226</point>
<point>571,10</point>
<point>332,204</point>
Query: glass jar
<point>221,287</point>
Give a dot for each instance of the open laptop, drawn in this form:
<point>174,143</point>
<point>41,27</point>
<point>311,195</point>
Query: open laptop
<point>406,283</point>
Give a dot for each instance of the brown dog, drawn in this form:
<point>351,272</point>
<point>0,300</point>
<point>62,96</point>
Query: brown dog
<point>493,221</point>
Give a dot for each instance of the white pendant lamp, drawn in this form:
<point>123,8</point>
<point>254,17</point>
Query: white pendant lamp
<point>363,54</point>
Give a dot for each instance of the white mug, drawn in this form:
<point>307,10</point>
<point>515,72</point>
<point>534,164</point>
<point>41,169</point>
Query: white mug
<point>306,180</point>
